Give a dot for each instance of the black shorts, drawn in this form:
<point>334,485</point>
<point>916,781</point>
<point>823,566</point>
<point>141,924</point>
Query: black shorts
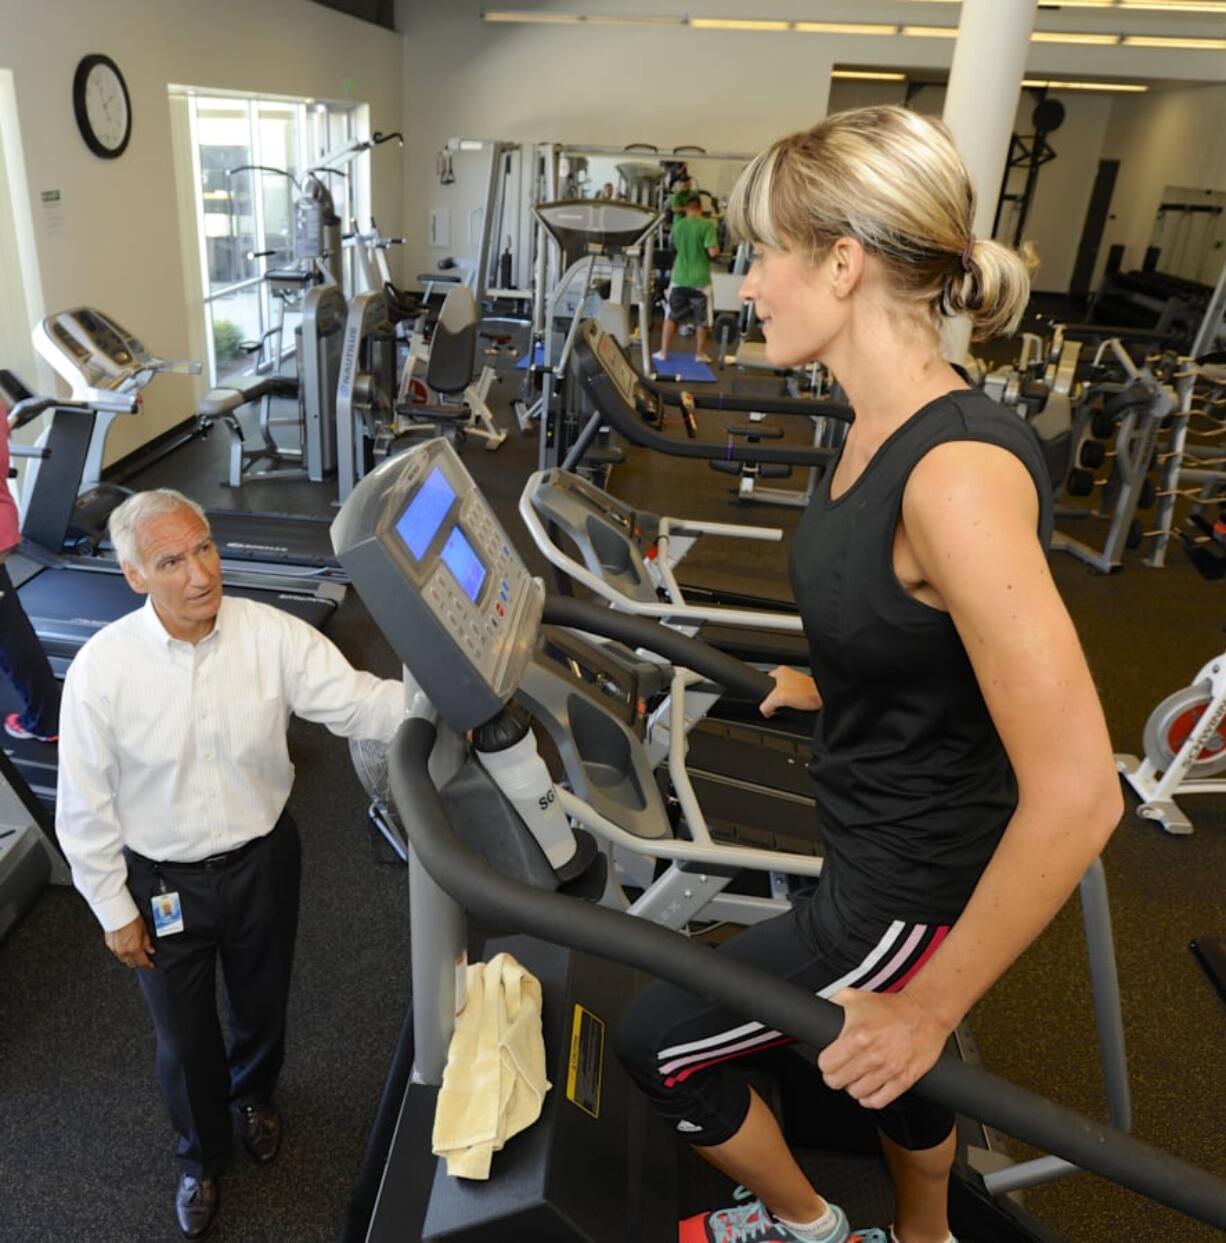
<point>685,1053</point>
<point>684,303</point>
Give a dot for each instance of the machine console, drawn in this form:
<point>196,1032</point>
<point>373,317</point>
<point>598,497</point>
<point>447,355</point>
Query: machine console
<point>442,580</point>
<point>93,353</point>
<point>598,352</point>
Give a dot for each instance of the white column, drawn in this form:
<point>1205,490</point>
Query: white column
<point>985,82</point>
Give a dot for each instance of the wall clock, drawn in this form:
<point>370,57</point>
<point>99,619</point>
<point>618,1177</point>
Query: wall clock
<point>103,109</point>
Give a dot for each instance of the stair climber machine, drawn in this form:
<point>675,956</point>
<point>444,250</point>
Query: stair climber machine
<point>754,770</point>
<point>286,555</point>
<point>492,834</point>
<point>624,401</point>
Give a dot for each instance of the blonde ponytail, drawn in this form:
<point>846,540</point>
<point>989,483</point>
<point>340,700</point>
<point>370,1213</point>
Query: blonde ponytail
<point>992,286</point>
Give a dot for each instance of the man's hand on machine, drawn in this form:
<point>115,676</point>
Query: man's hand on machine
<point>792,690</point>
<point>888,1041</point>
<point>132,945</point>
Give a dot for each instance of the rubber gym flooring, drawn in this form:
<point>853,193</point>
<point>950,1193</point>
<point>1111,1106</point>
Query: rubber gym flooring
<point>86,1151</point>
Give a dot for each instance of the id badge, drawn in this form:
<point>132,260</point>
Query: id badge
<point>167,914</point>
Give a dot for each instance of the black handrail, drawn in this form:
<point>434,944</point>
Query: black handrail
<point>746,990</point>
<point>679,649</point>
<point>630,425</point>
<point>812,407</point>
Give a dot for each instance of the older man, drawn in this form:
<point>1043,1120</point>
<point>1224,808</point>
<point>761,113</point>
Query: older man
<point>173,780</point>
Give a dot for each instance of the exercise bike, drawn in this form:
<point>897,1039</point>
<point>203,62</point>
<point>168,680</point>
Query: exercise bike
<point>1185,749</point>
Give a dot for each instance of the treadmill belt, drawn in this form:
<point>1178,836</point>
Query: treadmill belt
<point>68,607</point>
<point>289,539</point>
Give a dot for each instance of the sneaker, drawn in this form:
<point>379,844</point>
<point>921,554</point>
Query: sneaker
<point>702,358</point>
<point>750,1221</point>
<point>14,728</point>
<point>660,356</point>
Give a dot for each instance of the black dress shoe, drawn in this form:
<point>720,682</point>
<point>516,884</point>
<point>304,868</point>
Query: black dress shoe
<point>196,1204</point>
<point>260,1126</point>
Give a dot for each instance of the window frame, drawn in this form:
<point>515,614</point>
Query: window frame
<point>312,125</point>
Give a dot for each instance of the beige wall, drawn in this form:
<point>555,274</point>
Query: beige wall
<point>119,246</point>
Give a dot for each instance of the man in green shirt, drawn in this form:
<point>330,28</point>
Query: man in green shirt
<point>689,292</point>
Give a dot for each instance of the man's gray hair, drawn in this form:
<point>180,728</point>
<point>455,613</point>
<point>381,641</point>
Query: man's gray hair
<point>126,520</point>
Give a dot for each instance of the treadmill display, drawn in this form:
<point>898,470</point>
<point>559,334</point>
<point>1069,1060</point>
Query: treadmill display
<point>458,556</point>
<point>420,522</point>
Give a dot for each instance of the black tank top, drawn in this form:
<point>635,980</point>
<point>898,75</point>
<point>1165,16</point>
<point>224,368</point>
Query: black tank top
<point>913,785</point>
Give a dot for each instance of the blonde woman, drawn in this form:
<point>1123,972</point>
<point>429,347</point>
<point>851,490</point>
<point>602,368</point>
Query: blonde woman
<point>962,768</point>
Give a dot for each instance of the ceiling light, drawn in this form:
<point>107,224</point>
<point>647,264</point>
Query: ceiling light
<point>1175,6</point>
<point>1203,45</point>
<point>737,23</point>
<point>1085,86</point>
<point>615,19</point>
<point>843,28</point>
<point>545,19</point>
<point>866,75</point>
<point>931,32</point>
<point>1061,36</point>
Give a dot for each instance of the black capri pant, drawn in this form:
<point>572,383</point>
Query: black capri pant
<point>687,1054</point>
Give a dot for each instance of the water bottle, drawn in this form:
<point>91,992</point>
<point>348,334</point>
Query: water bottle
<point>507,750</point>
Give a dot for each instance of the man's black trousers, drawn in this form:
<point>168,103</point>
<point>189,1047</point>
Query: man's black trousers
<point>241,910</point>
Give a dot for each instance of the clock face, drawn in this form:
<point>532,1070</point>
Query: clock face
<point>103,110</point>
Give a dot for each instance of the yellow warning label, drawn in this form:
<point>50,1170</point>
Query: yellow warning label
<point>585,1069</point>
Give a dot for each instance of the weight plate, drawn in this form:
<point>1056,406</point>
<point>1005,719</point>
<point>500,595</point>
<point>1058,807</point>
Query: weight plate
<point>1173,720</point>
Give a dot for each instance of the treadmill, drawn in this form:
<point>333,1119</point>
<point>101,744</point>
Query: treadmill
<point>30,857</point>
<point>98,357</point>
<point>68,589</point>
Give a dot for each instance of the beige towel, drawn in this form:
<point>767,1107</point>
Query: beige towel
<point>494,1083</point>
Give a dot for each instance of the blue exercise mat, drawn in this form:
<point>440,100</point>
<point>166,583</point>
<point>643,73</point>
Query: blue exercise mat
<point>538,359</point>
<point>683,367</point>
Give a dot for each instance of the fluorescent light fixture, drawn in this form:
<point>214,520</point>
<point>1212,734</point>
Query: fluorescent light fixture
<point>930,32</point>
<point>1173,6</point>
<point>617,19</point>
<point>1132,87</point>
<point>843,28</point>
<point>544,19</point>
<point>865,75</point>
<point>737,23</point>
<point>1061,36</point>
<point>1202,45</point>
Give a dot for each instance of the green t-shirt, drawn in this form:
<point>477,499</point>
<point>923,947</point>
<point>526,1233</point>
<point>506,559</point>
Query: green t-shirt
<point>680,199</point>
<point>693,236</point>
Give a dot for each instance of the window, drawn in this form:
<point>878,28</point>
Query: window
<point>245,220</point>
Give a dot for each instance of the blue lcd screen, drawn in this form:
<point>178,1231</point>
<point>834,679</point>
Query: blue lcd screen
<point>421,521</point>
<point>463,562</point>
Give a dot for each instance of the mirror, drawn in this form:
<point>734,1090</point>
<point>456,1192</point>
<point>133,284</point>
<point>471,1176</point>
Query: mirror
<point>643,175</point>
<point>1189,234</point>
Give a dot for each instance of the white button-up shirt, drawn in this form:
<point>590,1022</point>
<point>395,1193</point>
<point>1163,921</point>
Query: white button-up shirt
<point>178,750</point>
